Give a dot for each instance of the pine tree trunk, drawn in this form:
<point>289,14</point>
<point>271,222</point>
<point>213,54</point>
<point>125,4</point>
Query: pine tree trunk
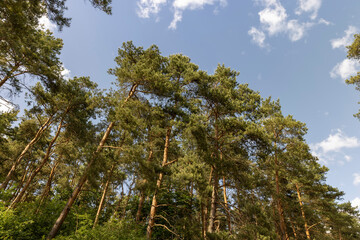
<point>18,189</point>
<point>278,231</point>
<point>26,149</point>
<point>103,196</point>
<point>227,210</point>
<point>280,209</point>
<point>47,188</point>
<point>37,170</point>
<point>294,230</point>
<point>302,212</point>
<point>77,189</point>
<point>203,220</point>
<point>119,203</point>
<point>123,215</point>
<point>83,179</point>
<point>158,185</point>
<point>142,195</point>
<point>140,206</point>
<point>340,237</point>
<point>213,206</point>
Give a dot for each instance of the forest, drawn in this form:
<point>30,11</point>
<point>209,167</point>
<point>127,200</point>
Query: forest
<point>170,152</point>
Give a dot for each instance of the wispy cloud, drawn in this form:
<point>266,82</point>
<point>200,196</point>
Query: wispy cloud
<point>258,37</point>
<point>323,21</point>
<point>345,40</point>
<point>149,7</point>
<point>297,30</point>
<point>146,8</point>
<point>180,6</point>
<point>356,179</point>
<point>308,6</point>
<point>332,147</point>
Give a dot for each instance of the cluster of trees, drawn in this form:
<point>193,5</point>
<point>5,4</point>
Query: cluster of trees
<point>171,152</point>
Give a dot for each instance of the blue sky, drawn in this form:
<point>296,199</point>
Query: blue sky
<point>291,50</point>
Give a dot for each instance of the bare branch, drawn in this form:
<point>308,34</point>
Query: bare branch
<point>168,163</point>
<point>313,225</point>
<point>161,225</point>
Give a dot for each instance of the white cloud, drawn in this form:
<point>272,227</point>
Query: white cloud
<point>323,21</point>
<point>297,30</point>
<point>180,6</point>
<point>332,147</point>
<point>356,179</point>
<point>46,24</point>
<point>258,36</point>
<point>335,142</point>
<point>148,7</point>
<point>177,18</point>
<point>65,72</point>
<point>346,40</point>
<point>274,19</point>
<point>309,6</point>
<point>356,203</point>
<point>345,69</point>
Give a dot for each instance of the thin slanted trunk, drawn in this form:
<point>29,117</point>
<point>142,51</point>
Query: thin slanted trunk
<point>203,219</point>
<point>103,196</point>
<point>26,149</point>
<point>38,169</point>
<point>47,188</point>
<point>212,216</point>
<point>278,233</point>
<point>18,189</point>
<point>158,185</point>
<point>279,206</point>
<point>215,185</point>
<point>142,195</point>
<point>83,179</point>
<point>226,205</point>
<point>127,200</point>
<point>280,211</point>
<point>302,212</point>
<point>118,205</point>
<point>140,206</point>
<point>78,188</point>
<point>294,230</point>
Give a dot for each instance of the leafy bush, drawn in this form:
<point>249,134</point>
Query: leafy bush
<point>112,230</point>
<point>14,226</point>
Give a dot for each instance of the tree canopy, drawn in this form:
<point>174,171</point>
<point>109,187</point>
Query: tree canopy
<point>171,152</point>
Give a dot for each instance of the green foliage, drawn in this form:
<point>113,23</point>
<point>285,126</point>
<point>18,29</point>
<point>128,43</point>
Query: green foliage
<point>24,223</point>
<point>112,230</point>
<point>24,47</point>
<point>233,167</point>
<point>221,236</point>
<point>354,53</point>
